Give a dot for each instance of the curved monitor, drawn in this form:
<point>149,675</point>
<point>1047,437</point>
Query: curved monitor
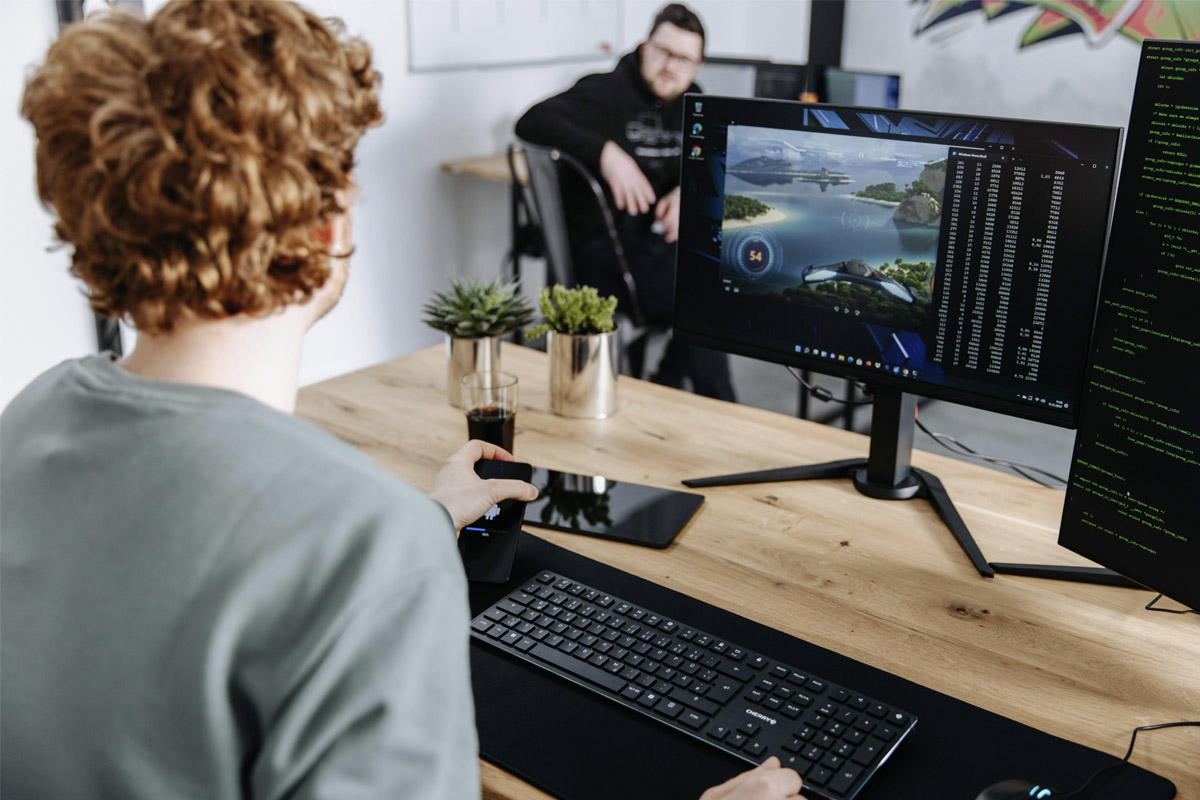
<point>947,256</point>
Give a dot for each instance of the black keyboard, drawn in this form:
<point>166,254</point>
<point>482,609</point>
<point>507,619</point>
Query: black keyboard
<point>747,704</point>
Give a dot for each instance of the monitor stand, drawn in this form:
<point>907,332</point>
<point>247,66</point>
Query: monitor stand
<point>1097,575</point>
<point>885,475</point>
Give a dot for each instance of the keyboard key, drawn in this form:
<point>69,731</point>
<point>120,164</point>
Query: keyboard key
<point>832,761</point>
<point>718,731</point>
<point>801,765</point>
<point>526,644</point>
<point>577,668</point>
<point>482,625</point>
<point>669,708</point>
<point>649,699</point>
<point>695,701</point>
<point>754,748</point>
<point>843,779</point>
<point>735,739</point>
<point>791,710</point>
<point>497,631</point>
<point>749,728</point>
<point>632,692</point>
<point>772,703</point>
<point>819,775</point>
<point>878,710</point>
<point>722,690</point>
<point>868,725</point>
<point>867,751</point>
<point>693,719</point>
<point>738,671</point>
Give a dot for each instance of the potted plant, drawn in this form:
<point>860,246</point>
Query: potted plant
<point>474,315</point>
<point>583,348</point>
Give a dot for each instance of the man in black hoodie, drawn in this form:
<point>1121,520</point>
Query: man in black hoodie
<point>624,125</point>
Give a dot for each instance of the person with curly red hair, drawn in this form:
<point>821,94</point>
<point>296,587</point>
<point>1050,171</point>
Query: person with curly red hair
<point>203,596</point>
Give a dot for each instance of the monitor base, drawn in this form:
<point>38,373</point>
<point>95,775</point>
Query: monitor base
<point>1097,575</point>
<point>918,483</point>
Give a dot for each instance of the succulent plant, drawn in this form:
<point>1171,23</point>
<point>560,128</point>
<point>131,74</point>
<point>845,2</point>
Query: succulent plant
<point>473,309</point>
<point>574,311</point>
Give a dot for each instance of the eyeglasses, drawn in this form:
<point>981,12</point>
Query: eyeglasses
<point>663,54</point>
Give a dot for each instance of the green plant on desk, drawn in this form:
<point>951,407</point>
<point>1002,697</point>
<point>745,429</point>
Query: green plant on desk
<point>577,311</point>
<point>474,315</point>
<point>582,344</point>
<point>473,309</point>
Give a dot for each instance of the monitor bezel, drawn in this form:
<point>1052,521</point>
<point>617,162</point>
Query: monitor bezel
<point>1064,418</point>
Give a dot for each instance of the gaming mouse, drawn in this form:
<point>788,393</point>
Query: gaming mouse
<point>1017,789</point>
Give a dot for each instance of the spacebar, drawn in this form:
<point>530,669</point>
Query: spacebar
<point>577,667</point>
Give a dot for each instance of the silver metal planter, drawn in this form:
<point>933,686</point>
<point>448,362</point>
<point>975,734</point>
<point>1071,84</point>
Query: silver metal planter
<point>583,374</point>
<point>464,356</point>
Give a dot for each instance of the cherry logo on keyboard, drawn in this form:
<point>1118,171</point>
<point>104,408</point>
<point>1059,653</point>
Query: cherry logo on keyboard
<point>763,717</point>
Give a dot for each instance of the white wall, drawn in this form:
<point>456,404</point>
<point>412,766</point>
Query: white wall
<point>415,226</point>
<point>975,66</point>
<point>43,316</point>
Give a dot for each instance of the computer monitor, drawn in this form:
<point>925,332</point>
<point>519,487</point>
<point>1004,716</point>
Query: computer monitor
<point>734,77</point>
<point>844,87</point>
<point>1131,502</point>
<point>947,256</point>
<point>781,81</point>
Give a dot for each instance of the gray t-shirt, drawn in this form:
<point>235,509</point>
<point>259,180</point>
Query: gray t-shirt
<point>201,597</point>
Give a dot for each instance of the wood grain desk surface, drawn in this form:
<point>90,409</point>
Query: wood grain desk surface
<point>489,168</point>
<point>879,581</point>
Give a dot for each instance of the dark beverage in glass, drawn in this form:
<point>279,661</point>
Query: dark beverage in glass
<point>492,424</point>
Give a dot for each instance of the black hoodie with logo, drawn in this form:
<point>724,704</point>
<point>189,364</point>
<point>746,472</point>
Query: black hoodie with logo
<point>617,106</point>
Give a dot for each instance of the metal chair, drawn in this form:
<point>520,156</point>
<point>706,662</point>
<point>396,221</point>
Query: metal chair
<point>541,199</point>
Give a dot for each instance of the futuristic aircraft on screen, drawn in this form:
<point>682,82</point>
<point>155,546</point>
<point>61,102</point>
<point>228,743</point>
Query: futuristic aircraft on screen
<point>855,270</point>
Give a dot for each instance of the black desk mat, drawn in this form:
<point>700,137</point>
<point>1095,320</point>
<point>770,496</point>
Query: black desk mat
<point>575,744</point>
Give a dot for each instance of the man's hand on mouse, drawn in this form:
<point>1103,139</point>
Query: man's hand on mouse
<point>768,781</point>
<point>631,190</point>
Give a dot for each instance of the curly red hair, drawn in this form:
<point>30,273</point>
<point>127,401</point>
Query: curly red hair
<point>191,158</point>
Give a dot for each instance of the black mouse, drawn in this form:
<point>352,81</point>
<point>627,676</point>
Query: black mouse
<point>1016,788</point>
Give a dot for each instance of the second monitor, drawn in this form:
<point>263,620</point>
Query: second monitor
<point>927,254</point>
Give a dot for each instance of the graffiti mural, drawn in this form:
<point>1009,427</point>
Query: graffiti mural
<point>1098,21</point>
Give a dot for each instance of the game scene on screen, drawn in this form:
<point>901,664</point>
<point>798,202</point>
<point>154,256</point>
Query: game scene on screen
<point>844,225</point>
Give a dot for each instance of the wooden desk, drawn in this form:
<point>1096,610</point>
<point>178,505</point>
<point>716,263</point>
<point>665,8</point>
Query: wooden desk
<point>882,582</point>
<point>490,168</point>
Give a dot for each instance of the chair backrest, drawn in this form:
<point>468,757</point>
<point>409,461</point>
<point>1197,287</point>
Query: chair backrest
<point>543,201</point>
<point>543,205</point>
